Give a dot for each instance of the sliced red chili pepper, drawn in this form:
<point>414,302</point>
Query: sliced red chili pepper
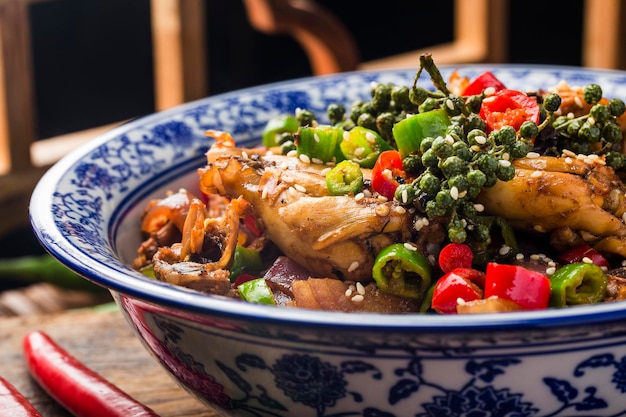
<point>455,255</point>
<point>387,168</point>
<point>80,390</point>
<point>13,403</point>
<point>529,289</point>
<point>509,108</point>
<point>460,284</point>
<point>578,253</point>
<point>250,223</point>
<point>483,81</point>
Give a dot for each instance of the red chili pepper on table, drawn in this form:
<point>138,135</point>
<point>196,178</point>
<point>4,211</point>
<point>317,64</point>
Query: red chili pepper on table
<point>483,81</point>
<point>388,166</point>
<point>13,403</point>
<point>79,389</point>
<point>528,289</point>
<point>509,108</point>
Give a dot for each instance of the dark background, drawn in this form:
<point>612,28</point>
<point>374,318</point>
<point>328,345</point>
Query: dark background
<point>93,58</point>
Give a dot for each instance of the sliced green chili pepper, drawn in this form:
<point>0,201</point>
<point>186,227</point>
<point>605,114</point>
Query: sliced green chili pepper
<point>245,261</point>
<point>402,271</point>
<point>362,145</point>
<point>345,178</point>
<point>408,133</point>
<point>320,142</point>
<point>256,291</point>
<point>281,124</point>
<point>577,283</point>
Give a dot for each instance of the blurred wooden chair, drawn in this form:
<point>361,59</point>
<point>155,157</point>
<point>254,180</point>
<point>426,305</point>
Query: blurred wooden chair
<point>479,34</point>
<point>180,76</point>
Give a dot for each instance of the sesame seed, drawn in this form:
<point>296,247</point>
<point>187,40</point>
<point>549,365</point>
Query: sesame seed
<point>587,260</point>
<point>567,152</point>
<point>293,153</point>
<point>264,193</point>
<point>532,155</point>
<point>454,193</point>
<point>462,194</point>
<point>357,298</point>
<point>591,120</point>
<point>489,91</point>
<point>346,136</point>
<point>405,196</point>
<point>382,211</point>
<point>506,156</point>
<point>450,140</point>
<point>388,174</point>
<point>578,101</point>
<point>244,155</point>
<point>570,115</point>
<point>348,292</point>
<point>370,137</point>
<point>568,160</point>
<point>299,188</point>
<point>381,198</point>
<point>317,161</point>
<point>475,148</point>
<point>359,196</point>
<point>551,270</point>
<point>450,104</point>
<point>504,163</point>
<point>481,140</point>
<point>410,246</point>
<point>479,207</point>
<point>359,151</point>
<point>305,158</point>
<point>519,256</point>
<point>288,179</point>
<point>504,249</point>
<point>360,288</point>
<point>399,210</point>
<point>536,174</point>
<point>353,266</point>
<point>325,171</point>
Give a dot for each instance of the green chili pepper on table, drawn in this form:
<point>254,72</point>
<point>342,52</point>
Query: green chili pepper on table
<point>402,271</point>
<point>577,283</point>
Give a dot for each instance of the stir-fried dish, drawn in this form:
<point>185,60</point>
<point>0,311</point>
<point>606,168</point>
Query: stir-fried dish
<point>467,198</point>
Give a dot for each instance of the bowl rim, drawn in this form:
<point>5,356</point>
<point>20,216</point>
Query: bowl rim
<point>179,298</point>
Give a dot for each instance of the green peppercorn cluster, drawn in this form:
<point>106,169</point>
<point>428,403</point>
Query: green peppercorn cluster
<point>595,132</point>
<point>451,170</point>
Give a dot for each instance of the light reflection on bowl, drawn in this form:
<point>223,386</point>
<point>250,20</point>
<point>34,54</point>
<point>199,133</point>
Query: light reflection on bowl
<point>251,360</point>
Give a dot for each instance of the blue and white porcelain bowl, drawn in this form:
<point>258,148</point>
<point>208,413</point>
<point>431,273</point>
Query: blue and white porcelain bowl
<point>254,360</point>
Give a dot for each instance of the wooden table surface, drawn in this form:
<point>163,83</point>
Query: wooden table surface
<point>105,343</point>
